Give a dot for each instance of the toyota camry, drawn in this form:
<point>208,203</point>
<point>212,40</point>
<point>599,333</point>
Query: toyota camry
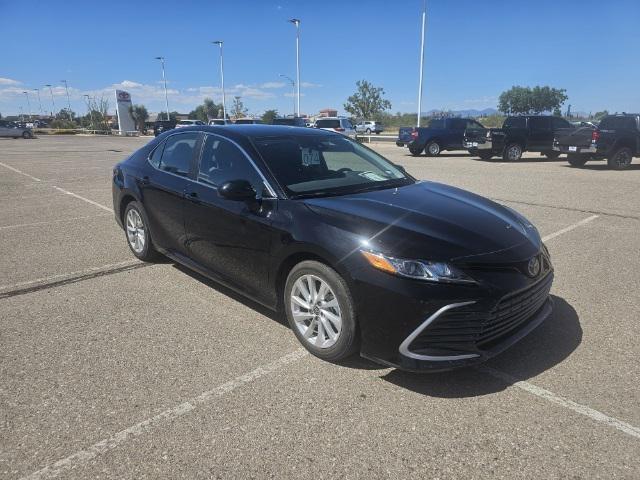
<point>359,255</point>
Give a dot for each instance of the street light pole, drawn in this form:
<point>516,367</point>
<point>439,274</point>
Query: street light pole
<point>37,90</point>
<point>66,87</point>
<point>424,18</point>
<point>53,103</point>
<point>224,97</point>
<point>164,80</point>
<point>26,94</point>
<point>296,22</point>
<point>293,91</point>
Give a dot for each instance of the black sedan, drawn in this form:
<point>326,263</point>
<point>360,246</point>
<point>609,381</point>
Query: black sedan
<point>359,255</point>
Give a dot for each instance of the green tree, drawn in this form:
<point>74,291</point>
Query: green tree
<point>140,115</point>
<point>526,100</point>
<point>600,115</point>
<point>269,115</point>
<point>238,110</point>
<point>173,116</point>
<point>205,112</point>
<point>367,102</point>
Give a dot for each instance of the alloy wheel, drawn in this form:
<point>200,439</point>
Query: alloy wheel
<point>622,159</point>
<point>434,149</point>
<point>135,231</point>
<point>514,152</point>
<point>316,312</point>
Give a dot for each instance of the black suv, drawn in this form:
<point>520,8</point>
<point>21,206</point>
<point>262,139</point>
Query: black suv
<point>616,139</point>
<point>534,133</point>
<point>162,126</point>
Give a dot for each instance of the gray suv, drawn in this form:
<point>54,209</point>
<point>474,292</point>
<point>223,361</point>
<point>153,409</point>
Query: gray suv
<point>10,129</point>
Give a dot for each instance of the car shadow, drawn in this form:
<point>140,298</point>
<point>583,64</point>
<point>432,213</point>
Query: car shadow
<point>548,345</point>
<point>604,167</point>
<point>445,155</point>
<point>541,159</point>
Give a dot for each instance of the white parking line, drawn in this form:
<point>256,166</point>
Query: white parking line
<point>563,402</point>
<point>36,224</point>
<point>20,172</point>
<point>82,457</point>
<point>67,192</point>
<point>569,228</point>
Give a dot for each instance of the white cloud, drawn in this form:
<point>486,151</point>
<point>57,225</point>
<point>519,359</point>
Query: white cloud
<point>273,85</point>
<point>9,81</point>
<point>481,101</point>
<point>130,84</point>
<point>310,85</point>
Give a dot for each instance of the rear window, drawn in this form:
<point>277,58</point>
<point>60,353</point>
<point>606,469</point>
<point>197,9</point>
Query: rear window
<point>613,123</point>
<point>328,123</point>
<point>515,122</point>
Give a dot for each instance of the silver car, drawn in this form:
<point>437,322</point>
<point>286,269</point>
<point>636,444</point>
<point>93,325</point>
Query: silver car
<point>10,129</point>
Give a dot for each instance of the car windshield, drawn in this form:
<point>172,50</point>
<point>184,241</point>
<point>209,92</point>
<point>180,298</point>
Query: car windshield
<point>319,165</point>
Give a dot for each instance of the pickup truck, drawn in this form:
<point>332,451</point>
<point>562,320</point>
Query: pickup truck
<point>440,134</point>
<point>533,133</point>
<point>616,139</point>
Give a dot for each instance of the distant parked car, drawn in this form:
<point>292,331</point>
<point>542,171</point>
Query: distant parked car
<point>162,126</point>
<point>369,127</point>
<point>336,124</point>
<point>10,129</point>
<point>440,134</point>
<point>219,121</point>
<point>247,121</point>
<point>290,121</point>
<point>616,139</point>
<point>189,123</point>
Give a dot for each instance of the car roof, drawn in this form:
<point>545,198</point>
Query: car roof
<point>255,130</point>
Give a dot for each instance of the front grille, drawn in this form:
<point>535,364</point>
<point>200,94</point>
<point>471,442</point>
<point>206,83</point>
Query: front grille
<point>468,329</point>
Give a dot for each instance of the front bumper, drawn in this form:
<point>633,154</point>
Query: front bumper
<point>435,327</point>
<point>482,145</point>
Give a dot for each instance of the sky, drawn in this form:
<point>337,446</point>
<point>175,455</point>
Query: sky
<point>474,50</point>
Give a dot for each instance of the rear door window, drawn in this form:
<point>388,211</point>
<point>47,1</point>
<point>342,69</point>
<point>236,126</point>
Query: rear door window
<point>436,123</point>
<point>540,123</point>
<point>558,122</point>
<point>328,123</point>
<point>515,122</point>
<point>178,153</point>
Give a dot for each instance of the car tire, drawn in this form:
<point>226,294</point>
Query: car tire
<point>136,232</point>
<point>512,152</point>
<point>368,131</point>
<point>27,135</point>
<point>485,155</point>
<point>576,159</point>
<point>433,149</point>
<point>620,159</point>
<point>329,332</point>
<point>415,151</point>
<point>552,155</point>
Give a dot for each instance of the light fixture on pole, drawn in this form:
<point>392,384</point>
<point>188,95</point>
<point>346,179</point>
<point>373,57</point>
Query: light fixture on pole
<point>293,91</point>
<point>53,103</point>
<point>37,90</point>
<point>424,18</point>
<point>164,80</point>
<point>26,94</point>
<point>66,87</point>
<point>296,22</point>
<point>224,97</point>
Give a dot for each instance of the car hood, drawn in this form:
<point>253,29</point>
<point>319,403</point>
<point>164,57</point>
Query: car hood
<point>432,221</point>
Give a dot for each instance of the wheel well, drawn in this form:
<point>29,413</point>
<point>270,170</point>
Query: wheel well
<point>286,266</point>
<point>126,200</point>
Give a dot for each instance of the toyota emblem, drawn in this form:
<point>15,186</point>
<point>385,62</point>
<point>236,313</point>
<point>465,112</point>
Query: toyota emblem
<point>533,267</point>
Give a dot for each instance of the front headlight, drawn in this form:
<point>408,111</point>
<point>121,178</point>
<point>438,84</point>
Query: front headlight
<point>417,269</point>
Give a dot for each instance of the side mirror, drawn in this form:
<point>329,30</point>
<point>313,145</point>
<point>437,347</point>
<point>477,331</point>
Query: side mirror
<point>239,190</point>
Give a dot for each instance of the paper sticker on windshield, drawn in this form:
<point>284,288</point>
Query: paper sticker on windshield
<point>372,176</point>
<point>310,157</point>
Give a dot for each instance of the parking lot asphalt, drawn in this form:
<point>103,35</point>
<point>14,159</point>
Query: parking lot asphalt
<point>111,368</point>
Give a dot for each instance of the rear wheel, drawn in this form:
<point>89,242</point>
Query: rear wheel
<point>368,131</point>
<point>26,134</point>
<point>321,311</point>
<point>620,159</point>
<point>512,153</point>
<point>552,154</point>
<point>576,160</point>
<point>137,232</point>
<point>433,149</point>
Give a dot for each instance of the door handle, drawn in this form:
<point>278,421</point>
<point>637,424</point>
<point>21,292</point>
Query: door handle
<point>192,197</point>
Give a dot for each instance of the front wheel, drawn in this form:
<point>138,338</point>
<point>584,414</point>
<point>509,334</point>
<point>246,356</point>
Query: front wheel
<point>368,131</point>
<point>576,159</point>
<point>320,311</point>
<point>620,159</point>
<point>512,153</point>
<point>137,232</point>
<point>433,149</point>
<point>27,134</point>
